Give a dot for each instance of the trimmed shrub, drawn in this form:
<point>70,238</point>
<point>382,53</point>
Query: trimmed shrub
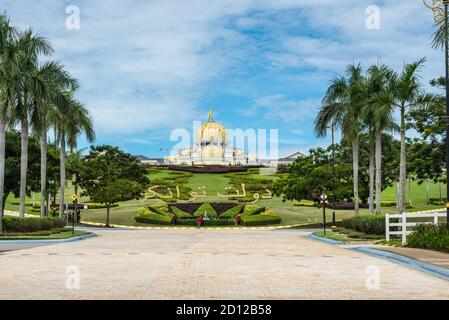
<point>366,224</point>
<point>231,213</point>
<point>212,222</point>
<point>15,224</point>
<point>306,203</point>
<point>27,203</point>
<point>252,212</point>
<point>153,218</point>
<point>268,218</point>
<point>180,214</point>
<point>430,237</point>
<point>206,208</point>
<point>162,210</point>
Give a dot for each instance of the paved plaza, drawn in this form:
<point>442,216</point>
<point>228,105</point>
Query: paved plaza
<point>207,264</point>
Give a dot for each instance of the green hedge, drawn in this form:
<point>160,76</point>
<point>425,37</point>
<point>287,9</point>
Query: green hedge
<point>162,210</point>
<point>15,224</point>
<point>153,218</point>
<point>205,207</point>
<point>430,237</point>
<point>231,213</point>
<point>180,214</point>
<point>306,203</point>
<point>254,210</point>
<point>215,222</point>
<point>366,224</point>
<point>262,219</point>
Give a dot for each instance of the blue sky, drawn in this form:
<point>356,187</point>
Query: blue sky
<point>148,67</point>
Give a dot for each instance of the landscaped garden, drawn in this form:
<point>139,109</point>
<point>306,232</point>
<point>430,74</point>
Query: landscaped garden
<point>214,214</point>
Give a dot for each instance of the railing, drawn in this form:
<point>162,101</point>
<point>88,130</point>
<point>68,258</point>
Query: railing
<point>403,224</point>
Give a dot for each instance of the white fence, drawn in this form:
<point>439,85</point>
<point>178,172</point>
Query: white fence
<point>427,218</point>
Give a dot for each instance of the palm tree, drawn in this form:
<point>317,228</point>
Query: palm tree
<point>407,94</point>
<point>71,121</point>
<point>7,38</point>
<point>57,83</point>
<point>380,113</point>
<point>28,86</point>
<point>341,107</point>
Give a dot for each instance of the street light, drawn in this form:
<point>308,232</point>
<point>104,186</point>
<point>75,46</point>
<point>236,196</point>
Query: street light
<point>440,15</point>
<point>323,198</point>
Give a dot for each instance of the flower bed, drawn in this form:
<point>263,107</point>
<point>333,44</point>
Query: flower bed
<point>252,215</point>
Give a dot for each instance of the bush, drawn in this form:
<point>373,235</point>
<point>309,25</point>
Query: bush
<point>367,224</point>
<point>180,214</point>
<point>388,203</point>
<point>153,218</point>
<point>231,213</point>
<point>430,237</point>
<point>15,224</point>
<point>212,222</point>
<point>254,210</point>
<point>27,203</point>
<point>205,208</point>
<point>162,210</point>
<point>306,203</point>
<point>267,218</point>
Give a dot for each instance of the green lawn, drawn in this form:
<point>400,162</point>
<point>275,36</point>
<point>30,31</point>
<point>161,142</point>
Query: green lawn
<point>59,235</point>
<point>213,183</point>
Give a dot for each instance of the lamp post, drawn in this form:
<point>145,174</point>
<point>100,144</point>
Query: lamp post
<point>323,199</point>
<point>440,15</point>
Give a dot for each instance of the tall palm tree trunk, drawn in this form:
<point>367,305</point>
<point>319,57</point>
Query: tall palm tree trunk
<point>62,175</point>
<point>2,167</point>
<point>355,167</point>
<point>378,171</point>
<point>43,142</point>
<point>23,165</point>
<point>371,183</point>
<point>402,165</point>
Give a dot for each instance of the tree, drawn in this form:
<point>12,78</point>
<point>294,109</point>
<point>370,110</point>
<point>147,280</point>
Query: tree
<point>407,94</point>
<point>7,36</point>
<point>380,116</point>
<point>70,122</point>
<point>109,175</point>
<point>341,108</point>
<point>28,86</point>
<point>57,83</point>
<point>13,166</point>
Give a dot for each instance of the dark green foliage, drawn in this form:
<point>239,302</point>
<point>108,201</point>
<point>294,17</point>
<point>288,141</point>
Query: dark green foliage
<point>14,224</point>
<point>12,165</point>
<point>110,175</point>
<point>311,175</point>
<point>231,213</point>
<point>367,224</point>
<point>205,208</point>
<point>93,205</point>
<point>430,237</point>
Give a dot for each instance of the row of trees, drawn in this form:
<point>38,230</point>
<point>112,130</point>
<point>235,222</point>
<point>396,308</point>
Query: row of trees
<point>37,95</point>
<point>365,106</point>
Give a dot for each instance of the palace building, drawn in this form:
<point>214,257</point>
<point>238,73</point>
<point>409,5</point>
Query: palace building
<point>211,148</point>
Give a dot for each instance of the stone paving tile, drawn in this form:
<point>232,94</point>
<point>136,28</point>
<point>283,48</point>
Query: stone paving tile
<point>207,264</point>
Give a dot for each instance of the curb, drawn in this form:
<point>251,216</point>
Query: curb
<point>77,238</point>
<point>327,240</point>
<point>118,226</point>
<point>440,272</point>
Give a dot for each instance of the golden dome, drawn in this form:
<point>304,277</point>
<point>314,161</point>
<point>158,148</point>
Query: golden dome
<point>211,133</point>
